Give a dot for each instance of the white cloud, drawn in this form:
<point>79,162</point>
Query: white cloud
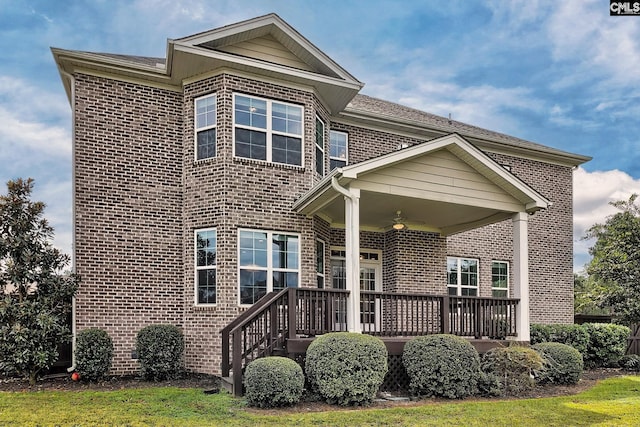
<point>592,193</point>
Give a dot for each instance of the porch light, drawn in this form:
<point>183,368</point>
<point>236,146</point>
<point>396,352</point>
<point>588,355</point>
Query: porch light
<point>398,223</point>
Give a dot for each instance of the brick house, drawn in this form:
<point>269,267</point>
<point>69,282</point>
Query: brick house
<point>186,166</point>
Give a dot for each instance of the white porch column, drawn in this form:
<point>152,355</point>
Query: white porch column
<point>352,262</point>
<point>521,273</point>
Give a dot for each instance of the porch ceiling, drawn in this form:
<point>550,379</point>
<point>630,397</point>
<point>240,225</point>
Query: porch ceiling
<point>445,185</point>
<point>377,212</point>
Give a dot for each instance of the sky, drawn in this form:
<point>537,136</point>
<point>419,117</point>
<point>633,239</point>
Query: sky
<point>560,73</point>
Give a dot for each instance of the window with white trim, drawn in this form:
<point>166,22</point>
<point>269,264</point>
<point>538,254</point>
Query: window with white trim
<point>267,261</point>
<point>462,276</point>
<point>205,126</point>
<point>205,266</point>
<point>267,130</point>
<point>338,149</point>
<point>320,263</point>
<point>500,279</point>
<point>319,146</point>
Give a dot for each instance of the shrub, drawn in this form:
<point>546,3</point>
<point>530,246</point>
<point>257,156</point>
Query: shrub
<point>94,351</point>
<point>346,368</point>
<point>562,364</point>
<point>160,349</point>
<point>489,385</point>
<point>607,344</point>
<point>574,335</point>
<point>630,362</point>
<point>273,381</point>
<point>514,366</point>
<point>441,365</point>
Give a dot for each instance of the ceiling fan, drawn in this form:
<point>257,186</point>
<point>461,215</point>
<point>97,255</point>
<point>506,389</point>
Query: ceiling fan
<point>399,222</point>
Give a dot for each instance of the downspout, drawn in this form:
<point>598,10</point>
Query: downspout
<point>352,243</point>
<point>72,87</point>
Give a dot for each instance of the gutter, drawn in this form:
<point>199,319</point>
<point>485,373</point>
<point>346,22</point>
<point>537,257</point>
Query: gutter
<point>72,88</point>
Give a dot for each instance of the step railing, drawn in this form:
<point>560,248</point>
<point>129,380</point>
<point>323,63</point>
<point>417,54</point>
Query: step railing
<point>263,329</point>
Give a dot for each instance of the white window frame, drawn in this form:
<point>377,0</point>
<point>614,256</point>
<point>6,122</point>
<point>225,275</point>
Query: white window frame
<point>506,263</point>
<point>269,132</point>
<point>319,147</point>
<point>321,247</point>
<point>198,268</point>
<point>197,129</point>
<point>270,269</point>
<point>346,158</point>
<point>458,286</point>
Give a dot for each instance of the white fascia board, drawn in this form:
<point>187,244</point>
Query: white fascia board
<point>249,62</point>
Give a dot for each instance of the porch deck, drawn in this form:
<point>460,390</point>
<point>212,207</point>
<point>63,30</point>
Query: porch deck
<point>286,322</point>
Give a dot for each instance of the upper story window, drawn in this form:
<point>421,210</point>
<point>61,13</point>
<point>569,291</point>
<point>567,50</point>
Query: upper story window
<point>338,149</point>
<point>205,127</point>
<point>319,146</point>
<point>462,276</point>
<point>267,261</point>
<point>267,130</point>
<point>205,266</point>
<point>500,279</point>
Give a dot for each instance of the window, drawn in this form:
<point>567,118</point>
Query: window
<point>320,263</point>
<point>268,261</point>
<point>205,123</point>
<point>338,146</point>
<point>462,276</point>
<point>205,260</point>
<point>267,130</point>
<point>319,146</point>
<point>500,279</point>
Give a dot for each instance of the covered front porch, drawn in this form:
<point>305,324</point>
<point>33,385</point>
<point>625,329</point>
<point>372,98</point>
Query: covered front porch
<point>439,188</point>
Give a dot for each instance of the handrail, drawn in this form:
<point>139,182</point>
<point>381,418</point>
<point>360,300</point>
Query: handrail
<point>238,322</point>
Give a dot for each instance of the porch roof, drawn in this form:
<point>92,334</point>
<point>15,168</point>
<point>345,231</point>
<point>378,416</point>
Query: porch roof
<point>445,185</point>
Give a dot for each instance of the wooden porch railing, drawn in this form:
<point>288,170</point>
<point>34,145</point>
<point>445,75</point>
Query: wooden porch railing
<point>395,314</point>
<point>265,327</point>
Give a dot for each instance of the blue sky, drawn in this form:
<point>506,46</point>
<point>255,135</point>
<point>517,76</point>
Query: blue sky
<point>564,74</point>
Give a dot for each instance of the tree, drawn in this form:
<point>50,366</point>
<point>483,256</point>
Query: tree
<point>616,260</point>
<point>35,292</point>
<point>587,296</point>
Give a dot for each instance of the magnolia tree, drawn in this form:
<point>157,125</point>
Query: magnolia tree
<point>615,265</point>
<point>35,292</point>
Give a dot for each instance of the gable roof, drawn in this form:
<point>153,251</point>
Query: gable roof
<point>269,47</point>
<point>447,184</point>
<point>264,46</point>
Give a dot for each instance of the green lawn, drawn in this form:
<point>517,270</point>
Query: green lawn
<point>613,402</point>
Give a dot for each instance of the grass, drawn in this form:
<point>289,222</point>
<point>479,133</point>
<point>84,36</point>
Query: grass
<point>613,402</point>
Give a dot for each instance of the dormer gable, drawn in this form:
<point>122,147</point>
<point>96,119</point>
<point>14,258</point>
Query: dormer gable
<point>266,46</point>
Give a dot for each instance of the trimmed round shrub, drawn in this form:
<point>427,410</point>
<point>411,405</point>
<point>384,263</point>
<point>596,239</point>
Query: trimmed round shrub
<point>562,364</point>
<point>514,366</point>
<point>607,344</point>
<point>160,349</point>
<point>441,365</point>
<point>346,368</point>
<point>630,362</point>
<point>273,381</point>
<point>576,336</point>
<point>94,352</point>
